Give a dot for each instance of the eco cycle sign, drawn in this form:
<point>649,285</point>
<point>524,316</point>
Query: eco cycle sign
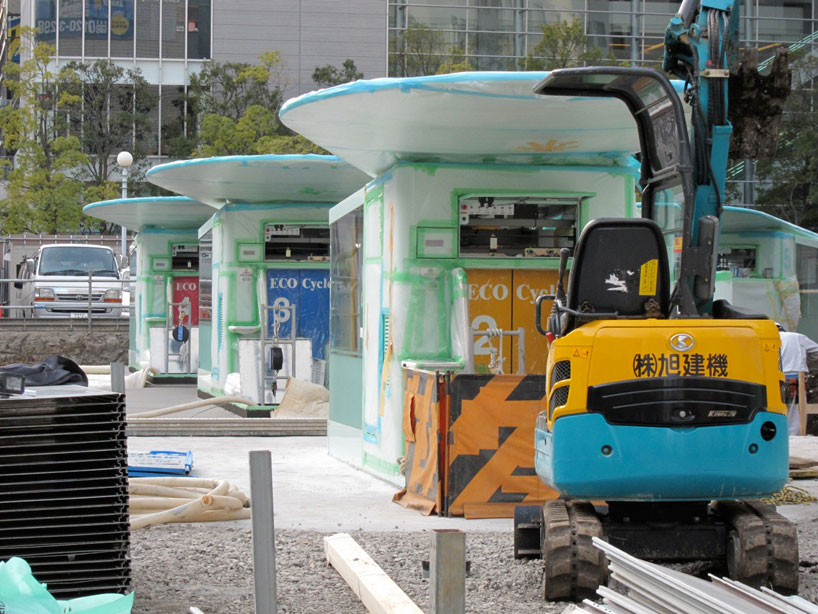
<point>308,290</point>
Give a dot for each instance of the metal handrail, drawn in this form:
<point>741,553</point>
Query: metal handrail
<point>28,311</point>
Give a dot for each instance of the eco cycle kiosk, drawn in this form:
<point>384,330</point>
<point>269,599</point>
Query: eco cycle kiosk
<point>479,184</point>
<point>769,266</point>
<point>266,294</point>
<point>164,276</point>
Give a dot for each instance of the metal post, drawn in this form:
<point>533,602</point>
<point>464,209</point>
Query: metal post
<point>124,230</point>
<point>264,561</point>
<point>125,159</point>
<point>90,299</point>
<point>117,377</point>
<point>447,571</point>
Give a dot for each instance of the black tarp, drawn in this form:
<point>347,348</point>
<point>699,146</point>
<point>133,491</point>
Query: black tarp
<point>53,371</point>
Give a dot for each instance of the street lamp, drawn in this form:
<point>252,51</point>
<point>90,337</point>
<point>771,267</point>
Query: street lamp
<point>124,159</point>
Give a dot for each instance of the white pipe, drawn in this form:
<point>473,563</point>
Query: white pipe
<point>192,405</point>
<point>159,500</point>
<point>152,490</point>
<point>188,510</point>
<point>96,369</point>
<point>209,516</point>
<point>220,502</point>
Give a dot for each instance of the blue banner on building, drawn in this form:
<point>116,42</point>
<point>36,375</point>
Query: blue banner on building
<point>96,19</point>
<point>308,290</point>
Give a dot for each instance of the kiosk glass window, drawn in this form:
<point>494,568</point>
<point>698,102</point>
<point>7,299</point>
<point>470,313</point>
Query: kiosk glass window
<point>806,259</point>
<point>346,238</point>
<point>516,225</point>
<point>205,276</point>
<point>296,242</point>
<point>741,261</point>
<point>184,257</point>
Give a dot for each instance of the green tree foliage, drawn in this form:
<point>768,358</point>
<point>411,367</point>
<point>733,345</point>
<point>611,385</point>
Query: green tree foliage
<point>232,108</point>
<point>111,114</point>
<point>456,62</point>
<point>328,75</point>
<point>44,195</point>
<point>416,51</point>
<point>62,130</point>
<point>421,50</point>
<point>563,44</point>
<point>788,184</point>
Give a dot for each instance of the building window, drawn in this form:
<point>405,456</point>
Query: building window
<point>174,30</point>
<point>122,28</point>
<point>147,29</point>
<point>96,28</point>
<point>346,266</point>
<point>198,29</point>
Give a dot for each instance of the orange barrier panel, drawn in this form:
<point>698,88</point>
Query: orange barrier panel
<point>421,430</point>
<point>470,443</point>
<point>490,445</point>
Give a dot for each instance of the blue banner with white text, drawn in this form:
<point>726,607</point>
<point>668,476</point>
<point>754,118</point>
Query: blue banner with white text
<point>308,290</point>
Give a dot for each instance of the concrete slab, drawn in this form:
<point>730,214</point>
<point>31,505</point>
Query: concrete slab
<point>311,490</point>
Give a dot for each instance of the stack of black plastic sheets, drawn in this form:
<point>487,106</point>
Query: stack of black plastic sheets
<point>64,489</point>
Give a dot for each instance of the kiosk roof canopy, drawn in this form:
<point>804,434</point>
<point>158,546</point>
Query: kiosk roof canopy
<point>171,212</point>
<point>491,117</point>
<point>743,219</point>
<point>260,179</point>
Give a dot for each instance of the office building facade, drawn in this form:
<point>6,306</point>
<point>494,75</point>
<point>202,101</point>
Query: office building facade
<point>169,40</point>
<point>496,34</point>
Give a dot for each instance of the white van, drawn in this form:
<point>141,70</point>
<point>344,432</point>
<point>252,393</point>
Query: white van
<point>56,282</point>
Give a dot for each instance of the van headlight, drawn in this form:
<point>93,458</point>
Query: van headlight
<point>112,296</point>
<point>44,294</point>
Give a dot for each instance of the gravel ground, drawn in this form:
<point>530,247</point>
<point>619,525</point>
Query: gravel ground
<point>210,566</point>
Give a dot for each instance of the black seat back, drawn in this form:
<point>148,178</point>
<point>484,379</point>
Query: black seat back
<point>620,265</point>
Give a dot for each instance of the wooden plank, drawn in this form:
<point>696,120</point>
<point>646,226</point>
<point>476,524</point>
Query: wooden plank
<point>376,590</point>
<point>796,462</point>
<point>803,474</point>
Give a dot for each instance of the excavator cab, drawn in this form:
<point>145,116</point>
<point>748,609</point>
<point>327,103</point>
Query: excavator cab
<point>619,271</point>
<point>667,171</point>
<point>664,421</point>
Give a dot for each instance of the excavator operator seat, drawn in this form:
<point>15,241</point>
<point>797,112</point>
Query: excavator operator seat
<point>620,266</point>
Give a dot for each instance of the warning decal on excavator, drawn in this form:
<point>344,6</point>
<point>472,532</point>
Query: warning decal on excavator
<point>649,278</point>
<point>669,365</point>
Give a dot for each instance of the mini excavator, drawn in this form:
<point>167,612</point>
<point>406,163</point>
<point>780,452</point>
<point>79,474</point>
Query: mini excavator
<point>665,422</point>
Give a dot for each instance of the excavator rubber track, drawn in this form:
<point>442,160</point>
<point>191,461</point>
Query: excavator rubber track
<point>573,567</point>
<point>762,546</point>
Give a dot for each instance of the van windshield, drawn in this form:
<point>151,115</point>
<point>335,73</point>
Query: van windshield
<point>78,261</point>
